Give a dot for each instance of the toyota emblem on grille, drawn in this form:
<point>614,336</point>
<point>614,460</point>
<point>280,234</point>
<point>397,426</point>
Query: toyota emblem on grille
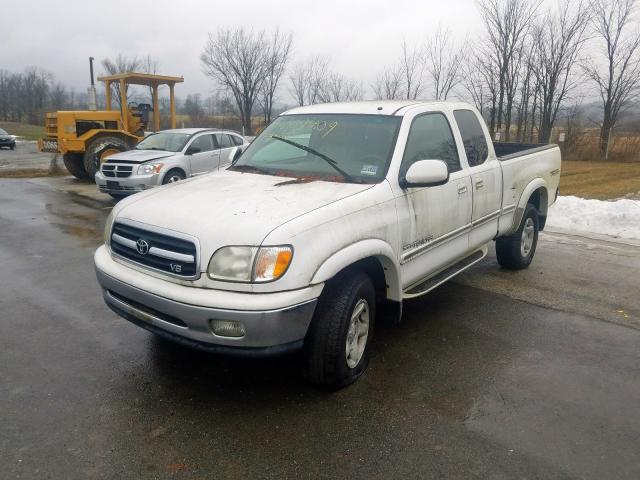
<point>142,246</point>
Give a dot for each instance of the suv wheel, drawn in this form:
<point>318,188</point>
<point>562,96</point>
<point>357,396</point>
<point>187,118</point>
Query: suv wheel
<point>337,345</point>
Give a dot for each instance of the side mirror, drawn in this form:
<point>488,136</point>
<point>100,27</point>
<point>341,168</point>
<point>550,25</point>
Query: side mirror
<point>234,154</point>
<point>426,173</point>
<point>192,150</point>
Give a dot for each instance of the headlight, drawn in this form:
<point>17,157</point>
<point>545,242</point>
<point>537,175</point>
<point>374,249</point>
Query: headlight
<point>107,228</point>
<point>250,264</point>
<point>148,168</point>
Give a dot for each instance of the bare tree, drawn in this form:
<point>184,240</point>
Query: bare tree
<point>617,83</point>
<point>507,23</point>
<point>527,89</point>
<point>388,84</point>
<point>277,52</point>
<point>236,60</point>
<point>308,80</point>
<point>121,64</point>
<point>474,85</point>
<point>443,61</point>
<point>193,107</point>
<point>338,88</point>
<point>558,41</point>
<point>412,71</point>
<point>299,78</point>
<point>148,64</point>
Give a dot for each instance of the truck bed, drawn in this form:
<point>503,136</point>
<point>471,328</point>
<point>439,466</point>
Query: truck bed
<point>507,151</point>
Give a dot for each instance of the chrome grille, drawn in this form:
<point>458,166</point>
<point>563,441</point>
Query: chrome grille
<point>169,253</point>
<point>114,170</point>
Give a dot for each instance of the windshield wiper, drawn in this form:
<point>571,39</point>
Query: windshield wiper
<point>324,157</point>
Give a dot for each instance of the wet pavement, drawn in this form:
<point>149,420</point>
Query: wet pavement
<point>25,157</point>
<point>497,374</point>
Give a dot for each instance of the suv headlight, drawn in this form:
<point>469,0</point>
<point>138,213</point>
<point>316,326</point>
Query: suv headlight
<point>149,168</point>
<point>250,264</point>
<point>107,228</point>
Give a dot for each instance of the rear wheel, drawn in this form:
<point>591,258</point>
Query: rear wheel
<point>99,149</point>
<point>516,251</point>
<point>336,347</point>
<point>75,164</point>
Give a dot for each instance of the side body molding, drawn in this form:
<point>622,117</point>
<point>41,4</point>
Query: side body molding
<point>376,248</point>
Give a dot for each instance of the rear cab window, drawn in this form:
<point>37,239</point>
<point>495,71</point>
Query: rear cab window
<point>473,138</point>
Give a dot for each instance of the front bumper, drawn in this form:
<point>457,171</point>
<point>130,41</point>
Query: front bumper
<point>127,185</point>
<point>268,331</point>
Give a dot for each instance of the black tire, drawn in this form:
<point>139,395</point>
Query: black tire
<point>326,342</point>
<point>75,164</point>
<point>95,150</point>
<point>117,196</point>
<point>13,147</point>
<point>510,250</point>
<point>173,175</point>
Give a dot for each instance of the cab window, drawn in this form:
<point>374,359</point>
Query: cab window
<point>203,142</point>
<point>430,138</point>
<point>475,143</point>
<point>223,140</point>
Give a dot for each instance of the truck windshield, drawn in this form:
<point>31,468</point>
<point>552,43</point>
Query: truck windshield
<point>334,147</point>
<point>170,142</point>
<point>3,132</point>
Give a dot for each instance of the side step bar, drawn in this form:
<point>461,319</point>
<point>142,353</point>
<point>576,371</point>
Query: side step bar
<point>428,284</point>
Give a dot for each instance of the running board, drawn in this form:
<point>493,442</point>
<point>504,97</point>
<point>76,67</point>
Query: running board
<point>425,286</point>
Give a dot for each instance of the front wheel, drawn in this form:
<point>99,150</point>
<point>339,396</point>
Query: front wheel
<point>516,251</point>
<point>75,164</point>
<point>337,345</point>
<point>173,176</point>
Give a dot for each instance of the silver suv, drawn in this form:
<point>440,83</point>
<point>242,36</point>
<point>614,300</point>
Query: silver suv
<point>168,156</point>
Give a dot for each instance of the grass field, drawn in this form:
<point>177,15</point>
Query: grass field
<point>24,130</point>
<point>600,180</point>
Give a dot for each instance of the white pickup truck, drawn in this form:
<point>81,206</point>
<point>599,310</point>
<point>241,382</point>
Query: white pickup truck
<point>332,213</point>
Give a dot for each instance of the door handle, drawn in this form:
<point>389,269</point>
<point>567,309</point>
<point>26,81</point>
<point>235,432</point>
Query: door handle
<point>479,184</point>
<point>462,189</point>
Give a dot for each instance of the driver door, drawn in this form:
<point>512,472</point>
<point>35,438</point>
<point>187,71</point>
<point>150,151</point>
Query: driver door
<point>205,157</point>
<point>434,221</point>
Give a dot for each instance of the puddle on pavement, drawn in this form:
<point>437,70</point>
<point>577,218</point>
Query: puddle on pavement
<point>87,226</point>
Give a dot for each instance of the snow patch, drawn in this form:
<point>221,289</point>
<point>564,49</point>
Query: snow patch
<point>619,218</point>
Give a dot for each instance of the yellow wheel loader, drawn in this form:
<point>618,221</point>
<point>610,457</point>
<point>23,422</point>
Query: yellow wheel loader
<point>86,138</point>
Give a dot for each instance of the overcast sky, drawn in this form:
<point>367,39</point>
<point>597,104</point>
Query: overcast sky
<point>359,37</point>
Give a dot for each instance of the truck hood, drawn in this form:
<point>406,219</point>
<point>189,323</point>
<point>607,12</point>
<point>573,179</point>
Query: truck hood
<point>232,208</point>
<point>140,156</point>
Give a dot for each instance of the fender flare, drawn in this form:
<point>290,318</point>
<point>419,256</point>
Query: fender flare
<point>350,254</point>
<point>531,187</point>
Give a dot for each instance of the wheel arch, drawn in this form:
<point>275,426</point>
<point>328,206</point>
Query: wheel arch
<point>536,193</point>
<point>172,169</point>
<point>375,257</point>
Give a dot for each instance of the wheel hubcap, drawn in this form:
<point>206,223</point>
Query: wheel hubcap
<point>526,241</point>
<point>174,178</point>
<point>357,333</point>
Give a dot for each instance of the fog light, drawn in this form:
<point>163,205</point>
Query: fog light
<point>227,328</point>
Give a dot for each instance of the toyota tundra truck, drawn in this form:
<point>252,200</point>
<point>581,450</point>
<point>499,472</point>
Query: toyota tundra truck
<point>334,215</point>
